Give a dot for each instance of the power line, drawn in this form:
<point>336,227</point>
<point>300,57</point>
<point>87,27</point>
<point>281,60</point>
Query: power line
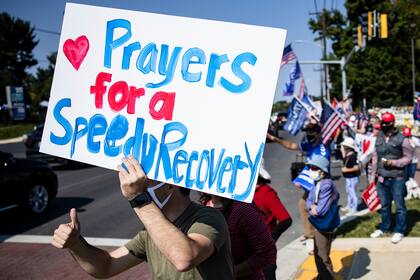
<point>48,31</point>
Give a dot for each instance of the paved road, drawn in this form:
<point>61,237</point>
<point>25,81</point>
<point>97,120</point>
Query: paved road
<point>104,213</point>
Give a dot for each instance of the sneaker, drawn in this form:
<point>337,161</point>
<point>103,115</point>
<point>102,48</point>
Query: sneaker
<point>377,233</point>
<point>309,246</point>
<point>397,237</point>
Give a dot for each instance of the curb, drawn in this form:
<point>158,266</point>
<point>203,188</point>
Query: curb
<point>12,140</point>
<point>46,239</point>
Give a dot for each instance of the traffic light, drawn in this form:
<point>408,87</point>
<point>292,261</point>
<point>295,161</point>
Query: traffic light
<point>383,25</point>
<point>359,36</point>
<point>364,23</point>
<point>370,25</point>
<point>354,36</point>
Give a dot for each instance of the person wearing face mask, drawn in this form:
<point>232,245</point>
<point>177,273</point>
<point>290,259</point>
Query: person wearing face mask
<point>181,239</point>
<point>392,153</point>
<point>322,199</point>
<point>311,145</point>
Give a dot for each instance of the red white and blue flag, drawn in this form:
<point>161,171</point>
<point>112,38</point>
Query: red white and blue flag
<point>331,120</point>
<point>288,55</point>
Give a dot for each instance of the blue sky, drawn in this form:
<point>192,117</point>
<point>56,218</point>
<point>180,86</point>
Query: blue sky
<point>292,15</point>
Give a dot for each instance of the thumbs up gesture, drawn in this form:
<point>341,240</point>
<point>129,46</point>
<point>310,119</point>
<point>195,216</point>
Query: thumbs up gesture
<point>67,235</point>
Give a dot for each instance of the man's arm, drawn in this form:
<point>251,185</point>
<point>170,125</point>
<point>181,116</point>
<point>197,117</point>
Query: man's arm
<point>374,166</point>
<point>183,251</point>
<point>285,143</point>
<point>97,262</point>
<point>408,151</point>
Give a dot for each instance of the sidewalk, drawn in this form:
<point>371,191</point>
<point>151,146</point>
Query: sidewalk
<point>354,258</point>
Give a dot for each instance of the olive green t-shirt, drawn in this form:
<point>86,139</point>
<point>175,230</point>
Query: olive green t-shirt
<point>199,219</point>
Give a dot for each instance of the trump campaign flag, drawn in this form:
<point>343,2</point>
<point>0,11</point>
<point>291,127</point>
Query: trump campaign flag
<point>296,117</point>
<point>289,86</point>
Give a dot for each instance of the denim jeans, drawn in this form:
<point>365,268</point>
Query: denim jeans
<point>392,189</point>
<point>351,184</point>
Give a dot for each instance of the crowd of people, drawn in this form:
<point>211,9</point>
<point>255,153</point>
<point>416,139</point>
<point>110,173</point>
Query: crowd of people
<point>217,237</point>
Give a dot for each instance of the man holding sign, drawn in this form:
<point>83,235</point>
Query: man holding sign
<point>165,97</point>
<point>183,240</point>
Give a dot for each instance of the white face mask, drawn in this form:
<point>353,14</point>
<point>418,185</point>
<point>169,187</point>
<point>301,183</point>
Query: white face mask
<point>154,197</point>
<point>315,174</point>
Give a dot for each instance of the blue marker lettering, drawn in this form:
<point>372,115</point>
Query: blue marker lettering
<point>254,172</point>
<point>110,43</point>
<point>149,51</point>
<point>116,131</point>
<point>188,181</point>
<point>166,147</point>
<point>181,157</point>
<point>63,140</point>
<point>237,70</point>
<point>238,164</point>
<point>147,158</point>
<point>187,60</point>
<point>214,170</point>
<point>80,121</point>
<point>97,126</point>
<point>226,166</point>
<point>164,69</point>
<point>204,156</point>
<point>214,65</point>
<point>128,52</point>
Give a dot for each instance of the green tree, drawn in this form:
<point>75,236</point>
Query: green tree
<point>381,72</point>
<point>40,84</point>
<point>17,41</point>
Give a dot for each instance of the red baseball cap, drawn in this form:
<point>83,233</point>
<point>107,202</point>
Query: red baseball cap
<point>388,117</point>
<point>406,131</point>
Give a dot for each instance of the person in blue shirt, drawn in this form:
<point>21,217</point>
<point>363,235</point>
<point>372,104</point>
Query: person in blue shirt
<point>311,144</point>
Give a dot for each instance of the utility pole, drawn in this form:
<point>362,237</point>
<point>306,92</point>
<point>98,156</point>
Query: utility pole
<point>324,52</point>
<point>413,63</point>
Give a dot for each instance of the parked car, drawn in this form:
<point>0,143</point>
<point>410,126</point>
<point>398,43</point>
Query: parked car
<point>29,184</point>
<point>32,141</point>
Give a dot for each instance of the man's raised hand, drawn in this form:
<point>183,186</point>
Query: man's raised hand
<point>67,235</point>
<point>133,179</point>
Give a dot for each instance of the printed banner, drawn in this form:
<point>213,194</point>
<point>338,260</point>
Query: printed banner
<point>370,197</point>
<point>189,98</point>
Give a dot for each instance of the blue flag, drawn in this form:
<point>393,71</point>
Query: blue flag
<point>416,112</point>
<point>289,86</point>
<point>296,117</point>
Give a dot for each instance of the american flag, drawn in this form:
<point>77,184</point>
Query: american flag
<point>331,120</point>
<point>288,55</point>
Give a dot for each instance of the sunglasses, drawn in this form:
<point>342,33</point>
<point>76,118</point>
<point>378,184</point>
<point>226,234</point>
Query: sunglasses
<point>313,168</point>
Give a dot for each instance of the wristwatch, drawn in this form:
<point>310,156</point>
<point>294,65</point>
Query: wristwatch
<point>141,200</point>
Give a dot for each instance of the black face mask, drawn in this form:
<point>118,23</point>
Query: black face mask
<point>387,128</point>
<point>311,138</point>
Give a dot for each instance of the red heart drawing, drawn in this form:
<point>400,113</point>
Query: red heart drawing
<point>365,145</point>
<point>76,51</point>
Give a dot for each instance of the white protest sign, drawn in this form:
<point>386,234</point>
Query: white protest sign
<point>189,98</point>
<point>365,145</point>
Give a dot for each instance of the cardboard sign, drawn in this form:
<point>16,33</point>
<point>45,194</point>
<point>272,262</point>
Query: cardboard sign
<point>370,197</point>
<point>189,98</point>
<point>365,145</point>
